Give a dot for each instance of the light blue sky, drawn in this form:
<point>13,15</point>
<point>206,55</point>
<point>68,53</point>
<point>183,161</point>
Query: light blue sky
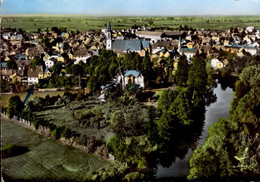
<point>132,7</point>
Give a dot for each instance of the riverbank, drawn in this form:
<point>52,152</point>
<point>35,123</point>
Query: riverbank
<point>220,109</point>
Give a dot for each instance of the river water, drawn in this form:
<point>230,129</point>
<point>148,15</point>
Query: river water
<point>217,110</point>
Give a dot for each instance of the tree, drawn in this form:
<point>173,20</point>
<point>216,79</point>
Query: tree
<point>166,98</point>
<point>182,107</point>
<point>15,106</point>
<point>11,64</point>
<point>56,68</point>
<point>181,74</point>
<point>92,83</point>
<point>117,122</point>
<point>197,78</point>
<point>37,62</point>
<point>147,67</point>
<point>66,133</point>
<point>231,149</point>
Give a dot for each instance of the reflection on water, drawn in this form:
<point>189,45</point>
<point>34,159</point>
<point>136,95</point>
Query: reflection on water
<point>220,109</point>
<point>217,110</point>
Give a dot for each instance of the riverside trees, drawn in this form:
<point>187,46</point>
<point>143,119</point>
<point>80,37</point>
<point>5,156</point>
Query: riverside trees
<point>232,149</point>
<point>181,107</point>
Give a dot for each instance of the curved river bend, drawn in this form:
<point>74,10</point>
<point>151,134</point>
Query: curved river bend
<point>217,110</point>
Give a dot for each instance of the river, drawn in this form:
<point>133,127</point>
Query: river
<point>217,110</point>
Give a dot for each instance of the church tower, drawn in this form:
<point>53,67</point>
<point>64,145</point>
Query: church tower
<point>109,36</point>
<point>179,44</point>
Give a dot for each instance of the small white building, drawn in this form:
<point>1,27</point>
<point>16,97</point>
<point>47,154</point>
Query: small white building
<point>33,75</point>
<point>6,35</point>
<point>49,63</point>
<point>216,64</point>
<point>250,29</point>
<point>188,52</point>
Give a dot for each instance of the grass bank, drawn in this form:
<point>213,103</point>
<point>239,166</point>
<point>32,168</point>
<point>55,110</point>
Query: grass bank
<point>43,159</point>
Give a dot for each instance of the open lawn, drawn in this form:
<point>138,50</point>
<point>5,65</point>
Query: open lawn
<point>43,159</point>
<point>32,23</point>
<point>5,97</point>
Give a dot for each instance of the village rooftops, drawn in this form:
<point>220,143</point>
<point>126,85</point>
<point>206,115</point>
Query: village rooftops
<point>4,65</point>
<point>173,33</point>
<point>35,72</point>
<point>134,73</point>
<point>188,50</point>
<point>21,57</point>
<point>152,33</point>
<point>239,46</point>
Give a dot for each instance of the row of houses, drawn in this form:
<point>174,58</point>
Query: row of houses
<point>74,47</point>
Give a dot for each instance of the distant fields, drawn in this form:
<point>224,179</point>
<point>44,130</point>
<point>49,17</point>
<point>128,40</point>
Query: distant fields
<point>43,159</point>
<point>81,23</point>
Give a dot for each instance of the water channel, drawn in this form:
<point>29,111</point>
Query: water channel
<point>215,111</point>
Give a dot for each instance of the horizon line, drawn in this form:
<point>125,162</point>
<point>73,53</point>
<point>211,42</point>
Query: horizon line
<point>90,15</point>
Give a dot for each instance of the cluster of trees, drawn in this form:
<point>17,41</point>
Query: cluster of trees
<point>231,150</point>
<point>125,149</point>
<point>180,108</point>
<point>57,81</point>
<point>102,68</point>
<point>16,108</point>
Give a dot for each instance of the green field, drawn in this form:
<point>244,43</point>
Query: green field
<point>5,97</point>
<point>44,159</point>
<point>31,23</point>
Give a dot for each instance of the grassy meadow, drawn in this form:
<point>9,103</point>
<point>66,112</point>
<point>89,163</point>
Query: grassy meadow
<point>32,23</point>
<point>43,159</point>
<point>5,97</point>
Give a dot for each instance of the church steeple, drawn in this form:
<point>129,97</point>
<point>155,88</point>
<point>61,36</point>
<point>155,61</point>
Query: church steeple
<point>108,26</point>
<point>109,36</point>
<point>179,44</point>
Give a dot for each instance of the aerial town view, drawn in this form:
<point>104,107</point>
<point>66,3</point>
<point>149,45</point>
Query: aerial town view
<point>140,90</point>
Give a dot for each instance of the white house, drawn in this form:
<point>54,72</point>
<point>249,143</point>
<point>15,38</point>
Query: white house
<point>6,35</point>
<point>216,64</point>
<point>255,44</point>
<point>33,75</point>
<point>130,76</point>
<point>250,29</point>
<point>188,52</point>
<point>251,50</point>
<point>49,63</point>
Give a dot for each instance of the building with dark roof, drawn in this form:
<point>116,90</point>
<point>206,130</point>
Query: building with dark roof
<point>134,45</point>
<point>130,45</point>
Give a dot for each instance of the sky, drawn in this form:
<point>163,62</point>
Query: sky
<point>132,7</point>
